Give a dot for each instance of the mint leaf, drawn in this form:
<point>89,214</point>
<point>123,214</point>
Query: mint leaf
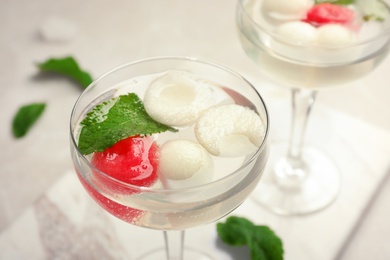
<point>265,244</point>
<point>67,66</point>
<point>373,10</point>
<point>261,240</point>
<point>236,231</point>
<point>25,118</point>
<point>337,2</point>
<point>114,120</point>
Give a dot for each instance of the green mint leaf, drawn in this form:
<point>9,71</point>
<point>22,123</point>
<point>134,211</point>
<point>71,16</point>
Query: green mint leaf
<point>266,244</point>
<point>261,240</point>
<point>114,120</point>
<point>25,118</point>
<point>372,17</point>
<point>373,10</point>
<point>67,66</point>
<point>337,2</point>
<point>235,231</point>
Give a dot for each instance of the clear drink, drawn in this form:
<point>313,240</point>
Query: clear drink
<point>165,210</point>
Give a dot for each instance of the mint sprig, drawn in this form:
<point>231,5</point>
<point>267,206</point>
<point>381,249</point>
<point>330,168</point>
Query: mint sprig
<point>126,116</point>
<point>337,2</point>
<point>261,240</point>
<point>372,10</point>
<point>67,66</point>
<point>25,118</point>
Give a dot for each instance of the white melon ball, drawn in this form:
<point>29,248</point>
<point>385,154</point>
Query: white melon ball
<point>229,130</point>
<point>297,31</point>
<point>287,9</point>
<point>334,35</point>
<point>184,163</point>
<point>177,98</point>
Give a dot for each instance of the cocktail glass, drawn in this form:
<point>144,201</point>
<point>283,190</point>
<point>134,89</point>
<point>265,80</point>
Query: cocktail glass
<point>171,210</point>
<point>302,179</point>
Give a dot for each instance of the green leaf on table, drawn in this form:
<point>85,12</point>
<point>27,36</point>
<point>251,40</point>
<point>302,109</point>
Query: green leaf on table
<point>67,66</point>
<point>114,120</point>
<point>25,118</point>
<point>261,240</point>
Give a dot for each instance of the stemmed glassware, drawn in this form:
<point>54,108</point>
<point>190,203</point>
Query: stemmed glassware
<point>172,208</point>
<point>308,53</point>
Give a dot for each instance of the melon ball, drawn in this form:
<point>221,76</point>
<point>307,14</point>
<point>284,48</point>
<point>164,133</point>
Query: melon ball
<point>184,163</point>
<point>334,35</point>
<point>229,130</point>
<point>291,9</point>
<point>177,98</point>
<point>297,31</point>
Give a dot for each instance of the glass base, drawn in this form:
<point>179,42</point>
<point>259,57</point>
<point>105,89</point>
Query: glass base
<point>304,194</point>
<point>189,254</point>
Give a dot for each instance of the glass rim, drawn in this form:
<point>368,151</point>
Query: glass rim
<point>170,190</point>
<point>383,33</point>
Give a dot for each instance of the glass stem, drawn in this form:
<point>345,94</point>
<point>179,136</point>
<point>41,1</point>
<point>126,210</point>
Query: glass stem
<point>174,244</point>
<point>291,170</point>
<point>302,103</point>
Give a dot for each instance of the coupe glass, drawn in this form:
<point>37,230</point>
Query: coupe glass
<point>301,179</point>
<point>171,210</point>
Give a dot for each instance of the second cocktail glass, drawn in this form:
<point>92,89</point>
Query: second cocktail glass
<point>309,45</point>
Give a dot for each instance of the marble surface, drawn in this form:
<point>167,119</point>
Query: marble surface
<point>44,213</point>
